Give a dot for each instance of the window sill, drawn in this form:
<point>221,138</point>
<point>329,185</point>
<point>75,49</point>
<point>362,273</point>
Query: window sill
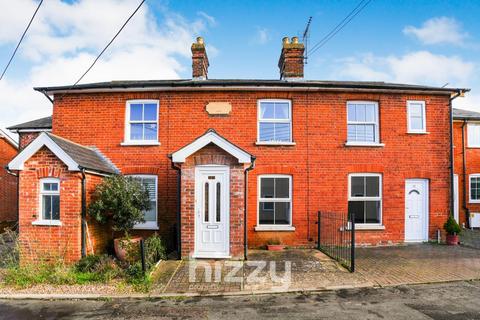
<point>265,143</point>
<point>52,223</point>
<point>474,201</point>
<point>367,227</point>
<point>418,132</point>
<point>274,228</point>
<point>363,144</point>
<point>146,227</point>
<point>142,143</point>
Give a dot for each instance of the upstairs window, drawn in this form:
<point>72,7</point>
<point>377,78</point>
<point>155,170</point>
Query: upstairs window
<point>365,198</point>
<point>362,122</point>
<point>473,130</point>
<point>142,122</point>
<point>149,182</point>
<point>49,200</point>
<point>274,121</point>
<point>416,116</point>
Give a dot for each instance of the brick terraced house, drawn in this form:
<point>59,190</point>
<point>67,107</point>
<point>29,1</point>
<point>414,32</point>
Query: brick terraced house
<point>8,182</point>
<point>466,132</point>
<point>235,163</point>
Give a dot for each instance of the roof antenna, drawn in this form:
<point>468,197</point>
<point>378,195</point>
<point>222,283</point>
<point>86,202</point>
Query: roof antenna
<point>306,37</point>
<point>446,84</point>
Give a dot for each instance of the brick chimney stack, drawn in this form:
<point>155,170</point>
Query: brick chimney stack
<point>199,60</point>
<point>291,59</point>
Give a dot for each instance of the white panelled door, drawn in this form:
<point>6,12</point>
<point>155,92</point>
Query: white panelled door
<point>212,211</point>
<point>416,210</point>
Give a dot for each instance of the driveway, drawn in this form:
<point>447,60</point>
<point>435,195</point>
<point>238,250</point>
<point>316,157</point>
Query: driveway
<point>422,263</point>
<point>452,301</point>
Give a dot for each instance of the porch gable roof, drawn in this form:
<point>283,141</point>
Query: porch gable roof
<point>211,136</point>
<point>75,156</point>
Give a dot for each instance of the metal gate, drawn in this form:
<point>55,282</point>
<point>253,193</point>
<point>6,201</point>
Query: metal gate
<point>336,237</point>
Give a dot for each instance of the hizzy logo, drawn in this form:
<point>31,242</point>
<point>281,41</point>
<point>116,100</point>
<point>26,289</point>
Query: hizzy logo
<point>249,272</point>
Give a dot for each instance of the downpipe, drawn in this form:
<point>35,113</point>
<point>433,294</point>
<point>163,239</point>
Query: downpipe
<point>84,213</point>
<point>245,215</point>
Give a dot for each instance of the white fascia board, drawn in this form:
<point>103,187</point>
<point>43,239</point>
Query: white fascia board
<point>211,137</point>
<point>8,138</point>
<point>42,140</point>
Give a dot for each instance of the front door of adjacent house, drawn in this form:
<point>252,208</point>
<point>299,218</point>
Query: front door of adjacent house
<point>212,211</point>
<point>416,210</point>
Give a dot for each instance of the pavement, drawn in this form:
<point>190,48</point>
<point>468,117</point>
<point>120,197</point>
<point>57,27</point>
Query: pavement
<point>452,301</point>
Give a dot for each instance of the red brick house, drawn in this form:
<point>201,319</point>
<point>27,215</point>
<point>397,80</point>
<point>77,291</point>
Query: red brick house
<point>234,163</point>
<point>466,132</point>
<point>8,182</point>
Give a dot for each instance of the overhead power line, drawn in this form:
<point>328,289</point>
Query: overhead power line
<point>108,45</point>
<point>21,39</point>
<point>361,5</point>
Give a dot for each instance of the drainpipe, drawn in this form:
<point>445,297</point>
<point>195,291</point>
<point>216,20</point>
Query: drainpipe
<point>464,174</point>
<point>179,208</point>
<point>18,193</point>
<point>245,218</point>
<point>456,95</point>
<point>84,213</point>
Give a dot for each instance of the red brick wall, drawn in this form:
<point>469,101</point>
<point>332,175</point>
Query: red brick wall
<point>99,236</point>
<point>8,183</point>
<point>472,156</point>
<point>49,243</point>
<point>26,137</point>
<point>319,162</point>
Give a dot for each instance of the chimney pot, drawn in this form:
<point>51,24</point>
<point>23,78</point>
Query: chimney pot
<point>291,62</point>
<point>199,60</point>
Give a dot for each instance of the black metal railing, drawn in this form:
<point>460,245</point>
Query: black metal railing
<point>336,237</point>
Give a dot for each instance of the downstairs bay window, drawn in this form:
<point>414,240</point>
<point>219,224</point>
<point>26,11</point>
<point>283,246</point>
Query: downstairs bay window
<point>365,198</point>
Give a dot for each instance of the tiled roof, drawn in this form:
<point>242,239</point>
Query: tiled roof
<point>42,123</point>
<point>461,114</point>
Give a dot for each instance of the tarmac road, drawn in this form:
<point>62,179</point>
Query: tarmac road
<point>452,301</point>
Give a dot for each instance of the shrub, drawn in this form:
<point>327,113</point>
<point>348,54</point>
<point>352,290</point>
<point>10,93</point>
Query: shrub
<point>9,248</point>
<point>155,250</point>
<point>120,199</point>
<point>451,226</point>
<point>101,268</point>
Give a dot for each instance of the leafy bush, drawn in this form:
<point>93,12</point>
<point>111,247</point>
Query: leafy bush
<point>451,226</point>
<point>155,250</point>
<point>101,268</point>
<point>119,199</point>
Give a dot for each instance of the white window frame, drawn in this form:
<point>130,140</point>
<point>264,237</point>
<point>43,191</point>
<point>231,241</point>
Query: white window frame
<point>377,125</point>
<point>469,134</point>
<point>424,117</point>
<point>149,225</point>
<point>127,141</point>
<point>275,227</point>
<point>379,198</point>
<point>40,220</point>
<point>470,200</point>
<point>289,121</point>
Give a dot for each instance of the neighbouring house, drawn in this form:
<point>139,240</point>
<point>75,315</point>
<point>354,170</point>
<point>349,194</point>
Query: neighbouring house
<point>28,131</point>
<point>466,132</point>
<point>236,163</point>
<point>8,182</point>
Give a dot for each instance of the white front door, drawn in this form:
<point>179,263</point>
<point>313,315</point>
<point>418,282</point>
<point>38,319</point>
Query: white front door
<point>416,210</point>
<point>455,198</point>
<point>212,211</point>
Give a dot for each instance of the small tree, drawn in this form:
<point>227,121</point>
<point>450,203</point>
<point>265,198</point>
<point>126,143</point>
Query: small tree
<point>121,200</point>
<point>451,226</point>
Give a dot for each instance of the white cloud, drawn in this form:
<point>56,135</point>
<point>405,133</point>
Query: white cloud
<point>261,36</point>
<point>66,37</point>
<point>437,31</point>
<point>420,67</point>
<point>211,20</point>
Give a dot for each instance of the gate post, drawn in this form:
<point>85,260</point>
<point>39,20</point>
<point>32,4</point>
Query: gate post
<point>352,248</point>
<point>318,230</point>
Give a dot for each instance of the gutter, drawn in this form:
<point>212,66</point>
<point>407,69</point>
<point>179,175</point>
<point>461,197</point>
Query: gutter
<point>245,200</point>
<point>464,174</point>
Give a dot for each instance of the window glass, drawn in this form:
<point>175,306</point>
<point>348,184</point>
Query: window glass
<point>143,120</point>
<point>136,112</point>
<point>416,113</point>
<point>365,198</point>
<point>473,135</point>
<point>275,201</point>
<point>274,122</point>
<point>50,200</point>
<point>219,204</point>
<point>475,188</point>
<point>205,201</point>
<point>362,122</point>
<point>150,184</point>
<point>150,112</point>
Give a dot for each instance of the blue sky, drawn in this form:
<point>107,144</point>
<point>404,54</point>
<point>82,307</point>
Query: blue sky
<point>424,42</point>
